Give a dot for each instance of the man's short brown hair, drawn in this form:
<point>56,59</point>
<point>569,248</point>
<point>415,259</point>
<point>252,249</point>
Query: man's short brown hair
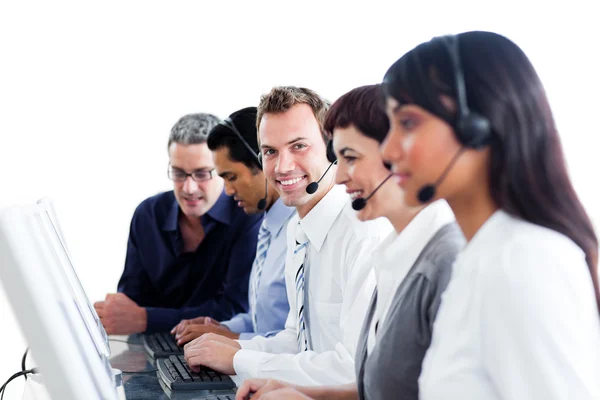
<point>281,98</point>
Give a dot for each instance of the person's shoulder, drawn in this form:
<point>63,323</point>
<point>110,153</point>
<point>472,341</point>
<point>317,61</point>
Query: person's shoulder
<point>445,244</point>
<point>528,255</point>
<point>239,218</point>
<point>157,203</point>
<point>440,252</point>
<point>520,240</point>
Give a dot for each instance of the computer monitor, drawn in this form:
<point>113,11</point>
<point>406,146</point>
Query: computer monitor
<point>55,329</point>
<point>52,226</point>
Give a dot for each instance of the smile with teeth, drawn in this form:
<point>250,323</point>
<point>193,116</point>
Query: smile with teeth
<point>290,181</point>
<point>355,194</point>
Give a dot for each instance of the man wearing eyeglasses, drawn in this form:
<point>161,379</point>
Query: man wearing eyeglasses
<point>190,250</point>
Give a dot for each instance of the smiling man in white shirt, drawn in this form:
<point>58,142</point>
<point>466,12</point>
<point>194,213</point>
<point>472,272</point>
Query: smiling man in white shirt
<point>327,250</point>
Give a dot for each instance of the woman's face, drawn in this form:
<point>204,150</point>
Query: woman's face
<point>420,146</point>
<point>361,170</point>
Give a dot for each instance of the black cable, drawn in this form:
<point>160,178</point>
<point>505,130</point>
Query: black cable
<point>18,374</point>
<point>23,368</point>
<point>138,372</point>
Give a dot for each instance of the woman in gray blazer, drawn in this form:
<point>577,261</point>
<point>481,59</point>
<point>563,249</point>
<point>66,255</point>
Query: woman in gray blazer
<point>411,267</point>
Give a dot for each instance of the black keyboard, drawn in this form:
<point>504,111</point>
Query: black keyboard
<point>220,397</point>
<point>161,345</point>
<point>177,375</point>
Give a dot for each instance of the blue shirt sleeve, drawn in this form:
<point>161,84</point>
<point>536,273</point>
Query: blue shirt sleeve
<point>235,289</point>
<point>240,323</point>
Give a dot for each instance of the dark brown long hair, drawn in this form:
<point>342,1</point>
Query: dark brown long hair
<point>528,176</point>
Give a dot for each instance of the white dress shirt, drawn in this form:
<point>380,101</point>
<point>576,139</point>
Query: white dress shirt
<point>339,245</point>
<point>397,254</point>
<point>518,320</point>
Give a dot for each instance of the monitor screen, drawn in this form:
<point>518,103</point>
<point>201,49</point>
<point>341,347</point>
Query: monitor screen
<point>55,328</point>
<point>49,220</point>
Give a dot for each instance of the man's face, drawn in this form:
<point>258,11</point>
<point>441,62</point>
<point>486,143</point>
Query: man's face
<point>194,198</point>
<point>294,155</point>
<point>245,185</point>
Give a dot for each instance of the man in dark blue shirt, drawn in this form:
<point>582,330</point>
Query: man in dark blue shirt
<point>190,250</point>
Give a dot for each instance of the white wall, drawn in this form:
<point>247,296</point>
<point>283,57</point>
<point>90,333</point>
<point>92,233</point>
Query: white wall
<point>88,93</point>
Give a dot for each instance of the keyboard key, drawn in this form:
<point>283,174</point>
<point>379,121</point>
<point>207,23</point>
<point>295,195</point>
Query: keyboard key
<point>163,343</point>
<point>177,375</point>
<point>171,343</point>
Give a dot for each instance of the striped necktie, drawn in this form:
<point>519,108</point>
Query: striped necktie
<point>299,262</point>
<point>264,239</point>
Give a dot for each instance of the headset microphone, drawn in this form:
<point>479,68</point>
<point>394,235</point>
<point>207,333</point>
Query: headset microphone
<point>262,203</point>
<point>314,186</point>
<point>427,192</point>
<point>360,203</point>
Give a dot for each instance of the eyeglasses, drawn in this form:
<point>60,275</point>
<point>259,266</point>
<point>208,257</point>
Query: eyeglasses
<point>200,175</point>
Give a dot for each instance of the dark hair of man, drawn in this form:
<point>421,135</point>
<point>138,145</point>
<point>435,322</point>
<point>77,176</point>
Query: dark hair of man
<point>223,136</point>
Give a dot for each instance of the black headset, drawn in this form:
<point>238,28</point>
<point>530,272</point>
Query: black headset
<point>228,122</point>
<point>331,157</point>
<point>472,129</point>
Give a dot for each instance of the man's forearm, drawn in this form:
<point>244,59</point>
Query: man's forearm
<point>341,392</point>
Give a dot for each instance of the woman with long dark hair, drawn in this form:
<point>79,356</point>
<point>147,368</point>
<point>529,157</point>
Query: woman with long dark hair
<point>470,123</point>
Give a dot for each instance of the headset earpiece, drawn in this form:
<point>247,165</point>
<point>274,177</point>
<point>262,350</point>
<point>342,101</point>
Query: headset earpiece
<point>331,157</point>
<point>473,130</point>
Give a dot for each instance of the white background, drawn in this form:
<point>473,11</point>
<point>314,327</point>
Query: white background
<point>88,93</point>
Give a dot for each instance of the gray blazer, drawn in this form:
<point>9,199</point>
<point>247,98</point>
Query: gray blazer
<point>392,369</point>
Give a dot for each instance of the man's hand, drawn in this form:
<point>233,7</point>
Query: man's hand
<point>178,329</point>
<point>192,332</point>
<point>268,389</point>
<point>215,338</point>
<point>120,315</point>
<point>210,353</point>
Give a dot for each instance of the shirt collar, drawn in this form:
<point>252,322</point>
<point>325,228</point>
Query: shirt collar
<point>318,221</point>
<point>277,216</point>
<point>220,211</point>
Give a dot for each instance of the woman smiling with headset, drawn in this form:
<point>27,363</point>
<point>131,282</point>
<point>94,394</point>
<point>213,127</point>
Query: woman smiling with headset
<point>470,123</point>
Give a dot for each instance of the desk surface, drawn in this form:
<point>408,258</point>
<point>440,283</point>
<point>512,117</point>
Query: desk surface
<point>139,372</point>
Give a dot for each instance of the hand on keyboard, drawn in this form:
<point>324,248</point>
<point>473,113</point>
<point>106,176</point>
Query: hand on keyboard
<point>210,351</point>
<point>177,329</point>
<point>216,338</point>
<point>192,332</point>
